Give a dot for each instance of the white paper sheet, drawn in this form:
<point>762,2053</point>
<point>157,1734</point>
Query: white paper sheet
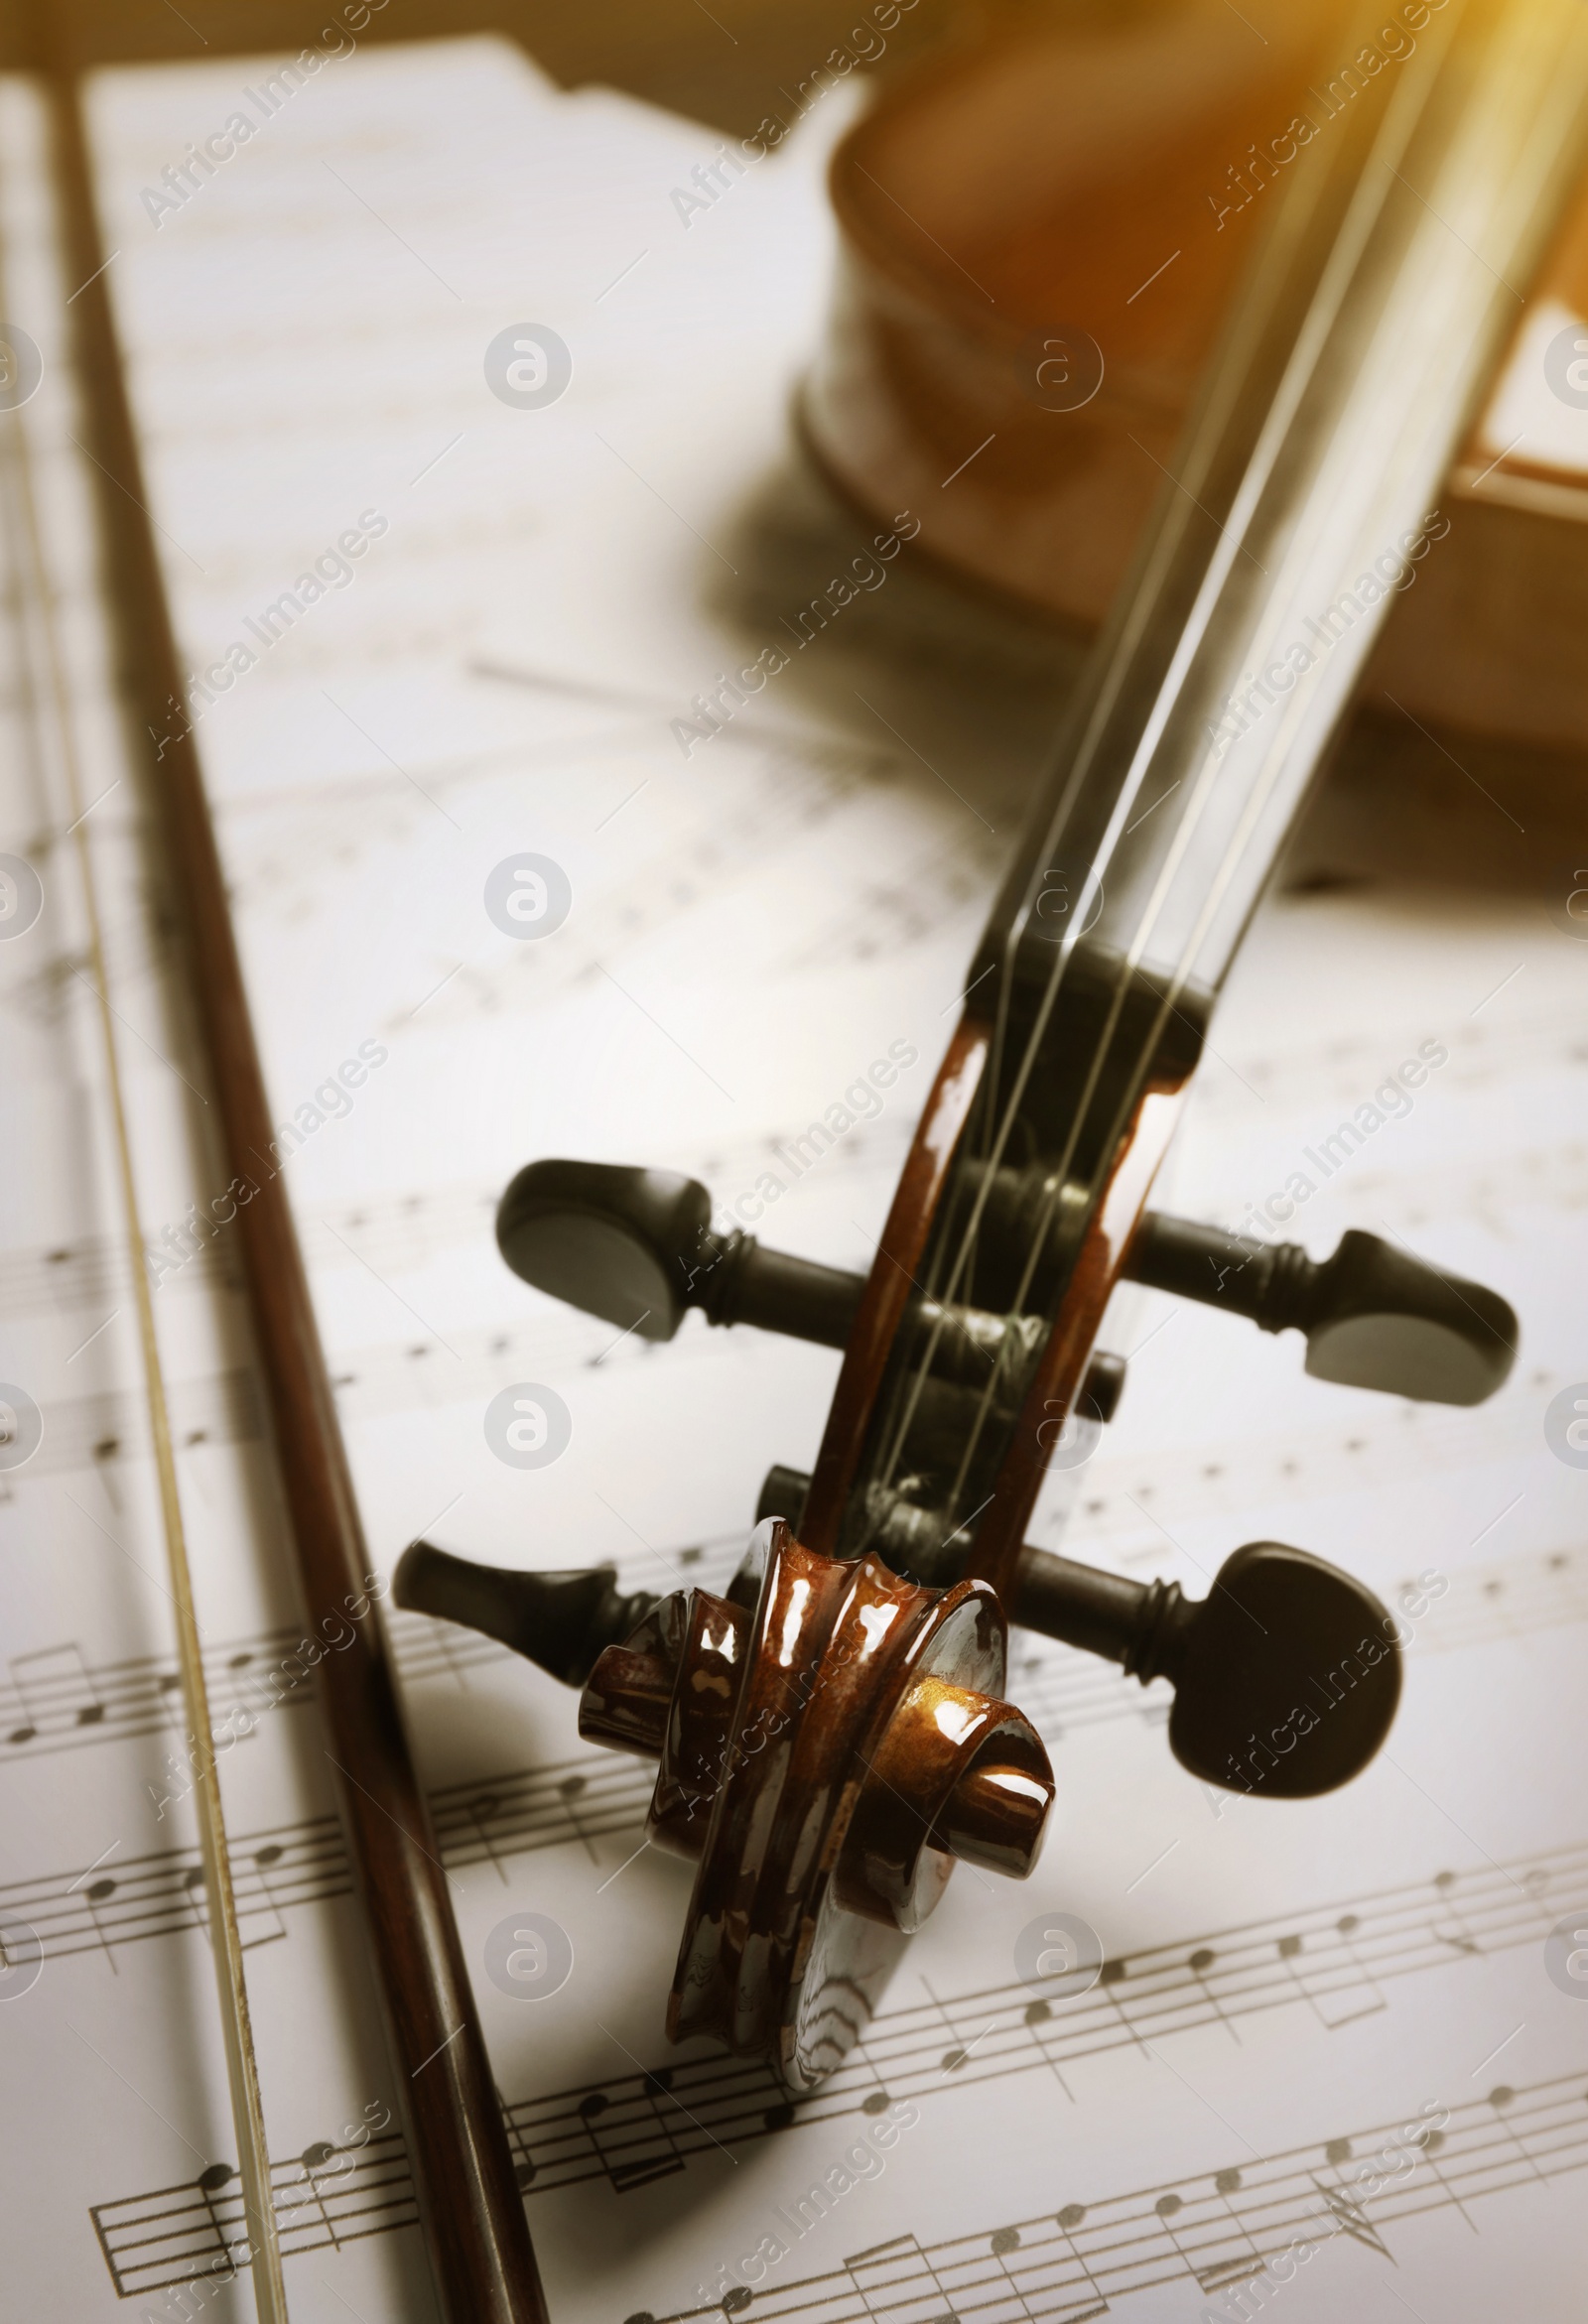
<point>753,921</point>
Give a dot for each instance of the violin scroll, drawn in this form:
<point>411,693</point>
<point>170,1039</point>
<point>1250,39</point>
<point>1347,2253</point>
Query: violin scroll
<point>1286,1675</point>
<point>829,1740</point>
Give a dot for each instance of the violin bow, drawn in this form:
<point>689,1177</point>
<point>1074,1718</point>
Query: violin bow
<point>471,2207</point>
<point>55,709</point>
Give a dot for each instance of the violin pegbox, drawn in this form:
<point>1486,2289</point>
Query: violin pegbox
<point>829,1740</point>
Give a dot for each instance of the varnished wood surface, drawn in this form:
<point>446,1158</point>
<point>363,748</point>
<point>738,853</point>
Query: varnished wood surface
<point>891,1284</point>
<point>1086,176</point>
<point>1057,1383</point>
<point>857,1742</point>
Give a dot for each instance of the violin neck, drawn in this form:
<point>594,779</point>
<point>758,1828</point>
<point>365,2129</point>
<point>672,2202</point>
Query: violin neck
<point>1303,497</point>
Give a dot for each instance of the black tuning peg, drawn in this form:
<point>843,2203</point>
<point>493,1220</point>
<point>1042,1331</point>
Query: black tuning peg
<point>637,1248</point>
<point>562,1622</point>
<point>1373,1316</point>
<point>1286,1675</point>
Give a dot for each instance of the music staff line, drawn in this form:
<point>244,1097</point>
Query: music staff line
<point>799,779</point>
<point>395,1235</point>
<point>1117,1496</point>
<point>405,1232</point>
<point>912,909</point>
<point>1219,2227</point>
<point>85,1433</point>
<point>486,1819</point>
<point>1334,1959</point>
<point>55,1700</point>
<point>1326,1070</point>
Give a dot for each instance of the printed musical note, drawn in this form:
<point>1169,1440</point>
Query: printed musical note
<point>1242,2264</point>
<point>1214,2231</point>
<point>1344,2002</point>
<point>96,1892</point>
<point>610,2143</point>
<point>897,2279</point>
<point>1501,2099</point>
<point>324,2166</point>
<point>480,1811</point>
<point>1109,1977</point>
<point>569,1790</point>
<point>111,1702</point>
<point>1449,1925</point>
<point>1067,2220</point>
<point>1166,2209</point>
<point>225,2219</point>
<point>1034,2017</point>
<point>638,2171</point>
<point>261,1924</point>
<point>1429,2144</point>
<point>1199,1963</point>
<point>56,1694</point>
<point>1333,2000</point>
<point>322,2198</point>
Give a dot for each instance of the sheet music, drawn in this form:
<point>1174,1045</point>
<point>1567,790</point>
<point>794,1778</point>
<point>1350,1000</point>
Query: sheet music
<point>756,915</point>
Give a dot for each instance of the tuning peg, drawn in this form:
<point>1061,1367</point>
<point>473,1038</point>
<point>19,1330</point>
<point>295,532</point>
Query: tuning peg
<point>637,1248</point>
<point>1373,1316</point>
<point>621,1243</point>
<point>1286,1675</point>
<point>562,1622</point>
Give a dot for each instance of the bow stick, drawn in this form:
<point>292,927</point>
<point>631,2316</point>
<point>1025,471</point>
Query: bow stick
<point>469,2205</point>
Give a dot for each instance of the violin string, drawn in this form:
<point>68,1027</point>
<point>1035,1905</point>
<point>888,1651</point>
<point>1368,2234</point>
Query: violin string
<point>1365,203</point>
<point>242,2073</point>
<point>1111,683</point>
<point>1346,247</point>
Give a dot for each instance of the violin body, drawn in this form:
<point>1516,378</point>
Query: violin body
<point>1041,238</point>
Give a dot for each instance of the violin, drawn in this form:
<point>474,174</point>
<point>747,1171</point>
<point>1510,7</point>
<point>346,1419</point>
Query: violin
<point>1041,237</point>
<point>832,1734</point>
